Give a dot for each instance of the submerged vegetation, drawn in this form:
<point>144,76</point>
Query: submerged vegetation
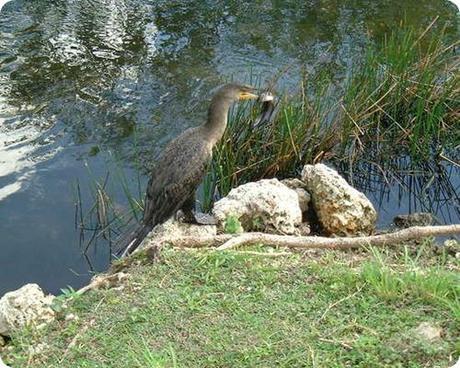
<point>104,217</point>
<point>234,309</point>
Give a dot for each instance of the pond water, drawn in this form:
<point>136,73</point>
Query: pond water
<point>78,77</point>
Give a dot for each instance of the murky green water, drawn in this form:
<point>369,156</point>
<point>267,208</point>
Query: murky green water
<point>78,77</point>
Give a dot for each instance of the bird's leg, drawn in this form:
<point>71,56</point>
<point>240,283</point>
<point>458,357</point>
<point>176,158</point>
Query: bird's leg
<point>187,210</point>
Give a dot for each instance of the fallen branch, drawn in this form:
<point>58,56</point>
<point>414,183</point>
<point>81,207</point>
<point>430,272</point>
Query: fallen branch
<point>306,242</point>
<point>227,241</point>
<point>265,254</point>
<point>209,241</point>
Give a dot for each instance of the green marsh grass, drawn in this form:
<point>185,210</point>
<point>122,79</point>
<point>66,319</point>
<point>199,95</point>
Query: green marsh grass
<point>411,278</point>
<point>297,134</point>
<point>403,97</point>
<point>405,92</point>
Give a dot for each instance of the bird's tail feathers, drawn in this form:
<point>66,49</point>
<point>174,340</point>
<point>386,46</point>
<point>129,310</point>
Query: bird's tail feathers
<point>130,243</point>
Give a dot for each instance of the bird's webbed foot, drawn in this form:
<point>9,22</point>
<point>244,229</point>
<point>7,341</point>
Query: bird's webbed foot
<point>187,213</point>
<point>188,217</point>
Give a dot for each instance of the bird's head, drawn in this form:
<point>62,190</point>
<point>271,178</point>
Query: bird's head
<point>237,92</point>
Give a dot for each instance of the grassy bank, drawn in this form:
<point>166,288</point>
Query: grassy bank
<point>230,309</point>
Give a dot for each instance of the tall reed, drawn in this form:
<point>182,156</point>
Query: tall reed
<point>404,93</point>
<point>402,97</point>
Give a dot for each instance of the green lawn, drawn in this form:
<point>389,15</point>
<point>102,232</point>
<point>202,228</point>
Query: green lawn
<point>230,309</point>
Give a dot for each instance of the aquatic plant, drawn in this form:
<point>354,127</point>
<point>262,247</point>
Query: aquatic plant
<point>106,217</point>
<point>404,93</point>
<point>402,98</point>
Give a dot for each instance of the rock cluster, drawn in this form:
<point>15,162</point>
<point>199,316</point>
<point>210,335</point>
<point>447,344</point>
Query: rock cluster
<point>277,207</point>
<point>179,229</point>
<point>301,189</point>
<point>24,306</point>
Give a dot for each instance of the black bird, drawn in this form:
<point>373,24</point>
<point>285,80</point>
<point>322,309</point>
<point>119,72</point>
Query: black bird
<point>182,166</point>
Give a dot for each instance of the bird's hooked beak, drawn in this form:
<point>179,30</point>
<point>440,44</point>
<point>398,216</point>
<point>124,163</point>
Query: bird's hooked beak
<point>247,95</point>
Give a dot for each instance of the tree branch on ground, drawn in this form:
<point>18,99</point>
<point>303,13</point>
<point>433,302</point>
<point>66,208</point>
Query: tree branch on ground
<point>227,241</point>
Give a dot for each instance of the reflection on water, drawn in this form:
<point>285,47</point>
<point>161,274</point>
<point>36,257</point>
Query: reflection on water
<point>77,78</point>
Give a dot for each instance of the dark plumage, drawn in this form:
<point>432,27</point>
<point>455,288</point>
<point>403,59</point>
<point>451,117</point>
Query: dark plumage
<point>182,166</point>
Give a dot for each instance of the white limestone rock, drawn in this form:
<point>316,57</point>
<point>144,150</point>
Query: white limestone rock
<point>176,229</point>
<point>266,205</point>
<point>414,219</point>
<point>456,365</point>
<point>341,209</point>
<point>428,332</point>
<point>27,305</point>
<point>3,365</point>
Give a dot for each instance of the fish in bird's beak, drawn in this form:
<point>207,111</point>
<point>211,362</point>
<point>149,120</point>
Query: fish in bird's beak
<point>269,109</point>
<point>266,97</point>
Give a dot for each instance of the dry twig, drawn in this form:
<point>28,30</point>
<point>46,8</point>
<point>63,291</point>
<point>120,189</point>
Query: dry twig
<point>103,282</point>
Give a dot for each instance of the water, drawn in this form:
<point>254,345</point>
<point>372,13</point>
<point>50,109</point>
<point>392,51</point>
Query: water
<point>77,78</point>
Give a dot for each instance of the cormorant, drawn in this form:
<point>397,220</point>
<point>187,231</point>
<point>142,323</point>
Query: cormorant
<point>182,166</point>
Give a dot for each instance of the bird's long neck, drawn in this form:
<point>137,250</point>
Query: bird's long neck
<point>217,118</point>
